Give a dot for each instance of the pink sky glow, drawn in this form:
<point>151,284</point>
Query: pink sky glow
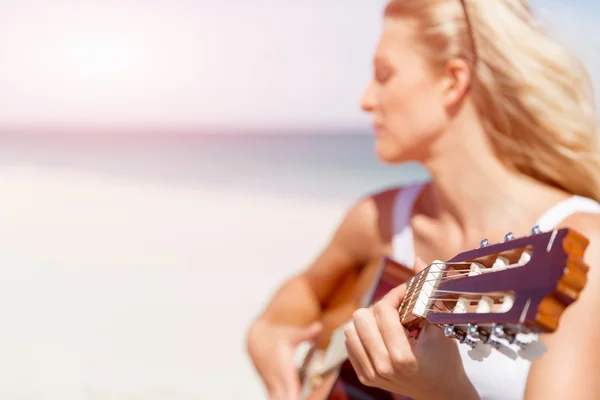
<point>67,63</point>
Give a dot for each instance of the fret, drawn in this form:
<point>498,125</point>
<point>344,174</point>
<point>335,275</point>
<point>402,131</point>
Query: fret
<point>403,306</point>
<point>414,285</point>
<point>415,293</point>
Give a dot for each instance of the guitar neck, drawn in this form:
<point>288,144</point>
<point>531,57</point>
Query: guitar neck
<point>419,292</point>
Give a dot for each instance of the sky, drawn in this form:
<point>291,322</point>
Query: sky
<point>186,63</point>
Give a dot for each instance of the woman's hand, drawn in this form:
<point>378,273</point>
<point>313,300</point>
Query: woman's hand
<point>384,355</point>
<point>272,348</point>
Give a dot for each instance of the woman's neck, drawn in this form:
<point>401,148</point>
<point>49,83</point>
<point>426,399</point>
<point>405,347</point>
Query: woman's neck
<point>472,189</point>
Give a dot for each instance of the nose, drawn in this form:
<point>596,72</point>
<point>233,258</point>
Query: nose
<point>367,102</point>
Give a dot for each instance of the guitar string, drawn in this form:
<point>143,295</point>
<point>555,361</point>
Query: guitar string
<point>416,281</point>
<point>455,274</point>
<point>458,274</point>
<point>410,293</point>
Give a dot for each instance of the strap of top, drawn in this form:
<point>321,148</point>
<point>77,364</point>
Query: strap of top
<point>402,241</point>
<point>560,211</point>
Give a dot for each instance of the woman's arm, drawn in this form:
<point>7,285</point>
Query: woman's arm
<point>353,245</point>
<point>286,321</point>
<point>570,369</point>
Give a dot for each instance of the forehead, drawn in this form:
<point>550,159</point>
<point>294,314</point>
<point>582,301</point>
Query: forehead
<point>397,40</point>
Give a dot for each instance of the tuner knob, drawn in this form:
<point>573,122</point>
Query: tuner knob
<point>479,351</point>
<point>532,351</point>
<point>536,230</point>
<point>508,237</point>
<point>483,243</point>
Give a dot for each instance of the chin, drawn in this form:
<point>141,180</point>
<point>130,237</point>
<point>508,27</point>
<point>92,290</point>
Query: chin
<point>388,155</point>
<point>410,146</point>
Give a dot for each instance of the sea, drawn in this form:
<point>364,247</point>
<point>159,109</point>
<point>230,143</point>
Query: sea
<point>299,164</point>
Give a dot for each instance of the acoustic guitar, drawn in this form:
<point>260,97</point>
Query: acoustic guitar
<point>490,298</point>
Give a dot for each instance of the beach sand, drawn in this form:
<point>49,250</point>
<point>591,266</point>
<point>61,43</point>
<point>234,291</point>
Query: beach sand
<point>112,289</point>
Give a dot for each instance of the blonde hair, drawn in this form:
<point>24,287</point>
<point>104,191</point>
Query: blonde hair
<point>535,99</point>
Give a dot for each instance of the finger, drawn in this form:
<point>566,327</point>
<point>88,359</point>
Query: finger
<point>280,392</point>
<point>284,383</point>
<point>290,381</point>
<point>372,341</point>
<point>307,333</point>
<point>276,392</point>
<point>358,368</point>
<point>292,386</point>
<point>395,296</point>
<point>369,380</point>
<point>395,337</point>
<point>359,359</point>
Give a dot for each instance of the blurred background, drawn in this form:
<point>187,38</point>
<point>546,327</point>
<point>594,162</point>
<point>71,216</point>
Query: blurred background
<point>164,165</point>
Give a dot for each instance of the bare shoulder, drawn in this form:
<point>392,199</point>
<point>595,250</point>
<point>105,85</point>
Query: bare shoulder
<point>584,223</point>
<point>355,243</point>
<point>570,368</point>
<point>369,220</point>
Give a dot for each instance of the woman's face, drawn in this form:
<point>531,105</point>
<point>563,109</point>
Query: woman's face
<point>406,98</point>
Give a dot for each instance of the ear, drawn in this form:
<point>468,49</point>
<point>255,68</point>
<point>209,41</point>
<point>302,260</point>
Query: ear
<point>456,81</point>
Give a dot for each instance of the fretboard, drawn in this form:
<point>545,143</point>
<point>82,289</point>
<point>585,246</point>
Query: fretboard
<point>413,287</point>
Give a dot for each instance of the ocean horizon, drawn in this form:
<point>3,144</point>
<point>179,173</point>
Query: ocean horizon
<point>314,166</point>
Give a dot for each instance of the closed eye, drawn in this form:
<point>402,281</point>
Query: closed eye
<point>382,74</point>
<point>383,71</point>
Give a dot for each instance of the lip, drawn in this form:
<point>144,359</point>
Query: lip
<point>377,131</point>
<point>377,127</point>
<point>377,124</point>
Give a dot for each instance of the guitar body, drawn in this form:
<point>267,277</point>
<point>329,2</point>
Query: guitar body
<point>355,291</point>
<point>346,386</point>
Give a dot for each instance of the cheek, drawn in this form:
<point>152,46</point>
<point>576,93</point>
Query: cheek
<point>402,114</point>
<point>414,112</point>
<point>413,118</point>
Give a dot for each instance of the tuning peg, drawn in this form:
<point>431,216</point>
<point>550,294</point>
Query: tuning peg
<point>476,338</point>
<point>483,243</point>
<point>471,341</point>
<point>504,349</point>
<point>473,331</point>
<point>487,342</point>
<point>451,332</point>
<point>479,351</point>
<point>532,351</point>
<point>525,257</point>
<point>536,230</point>
<point>499,332</point>
<point>508,237</point>
<point>500,263</point>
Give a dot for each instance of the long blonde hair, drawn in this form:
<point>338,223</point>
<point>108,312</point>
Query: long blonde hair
<point>534,97</point>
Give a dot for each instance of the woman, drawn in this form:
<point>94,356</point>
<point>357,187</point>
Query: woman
<point>503,119</point>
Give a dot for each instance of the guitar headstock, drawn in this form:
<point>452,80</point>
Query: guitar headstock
<point>489,297</point>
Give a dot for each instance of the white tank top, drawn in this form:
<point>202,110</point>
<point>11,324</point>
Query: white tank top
<point>497,377</point>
